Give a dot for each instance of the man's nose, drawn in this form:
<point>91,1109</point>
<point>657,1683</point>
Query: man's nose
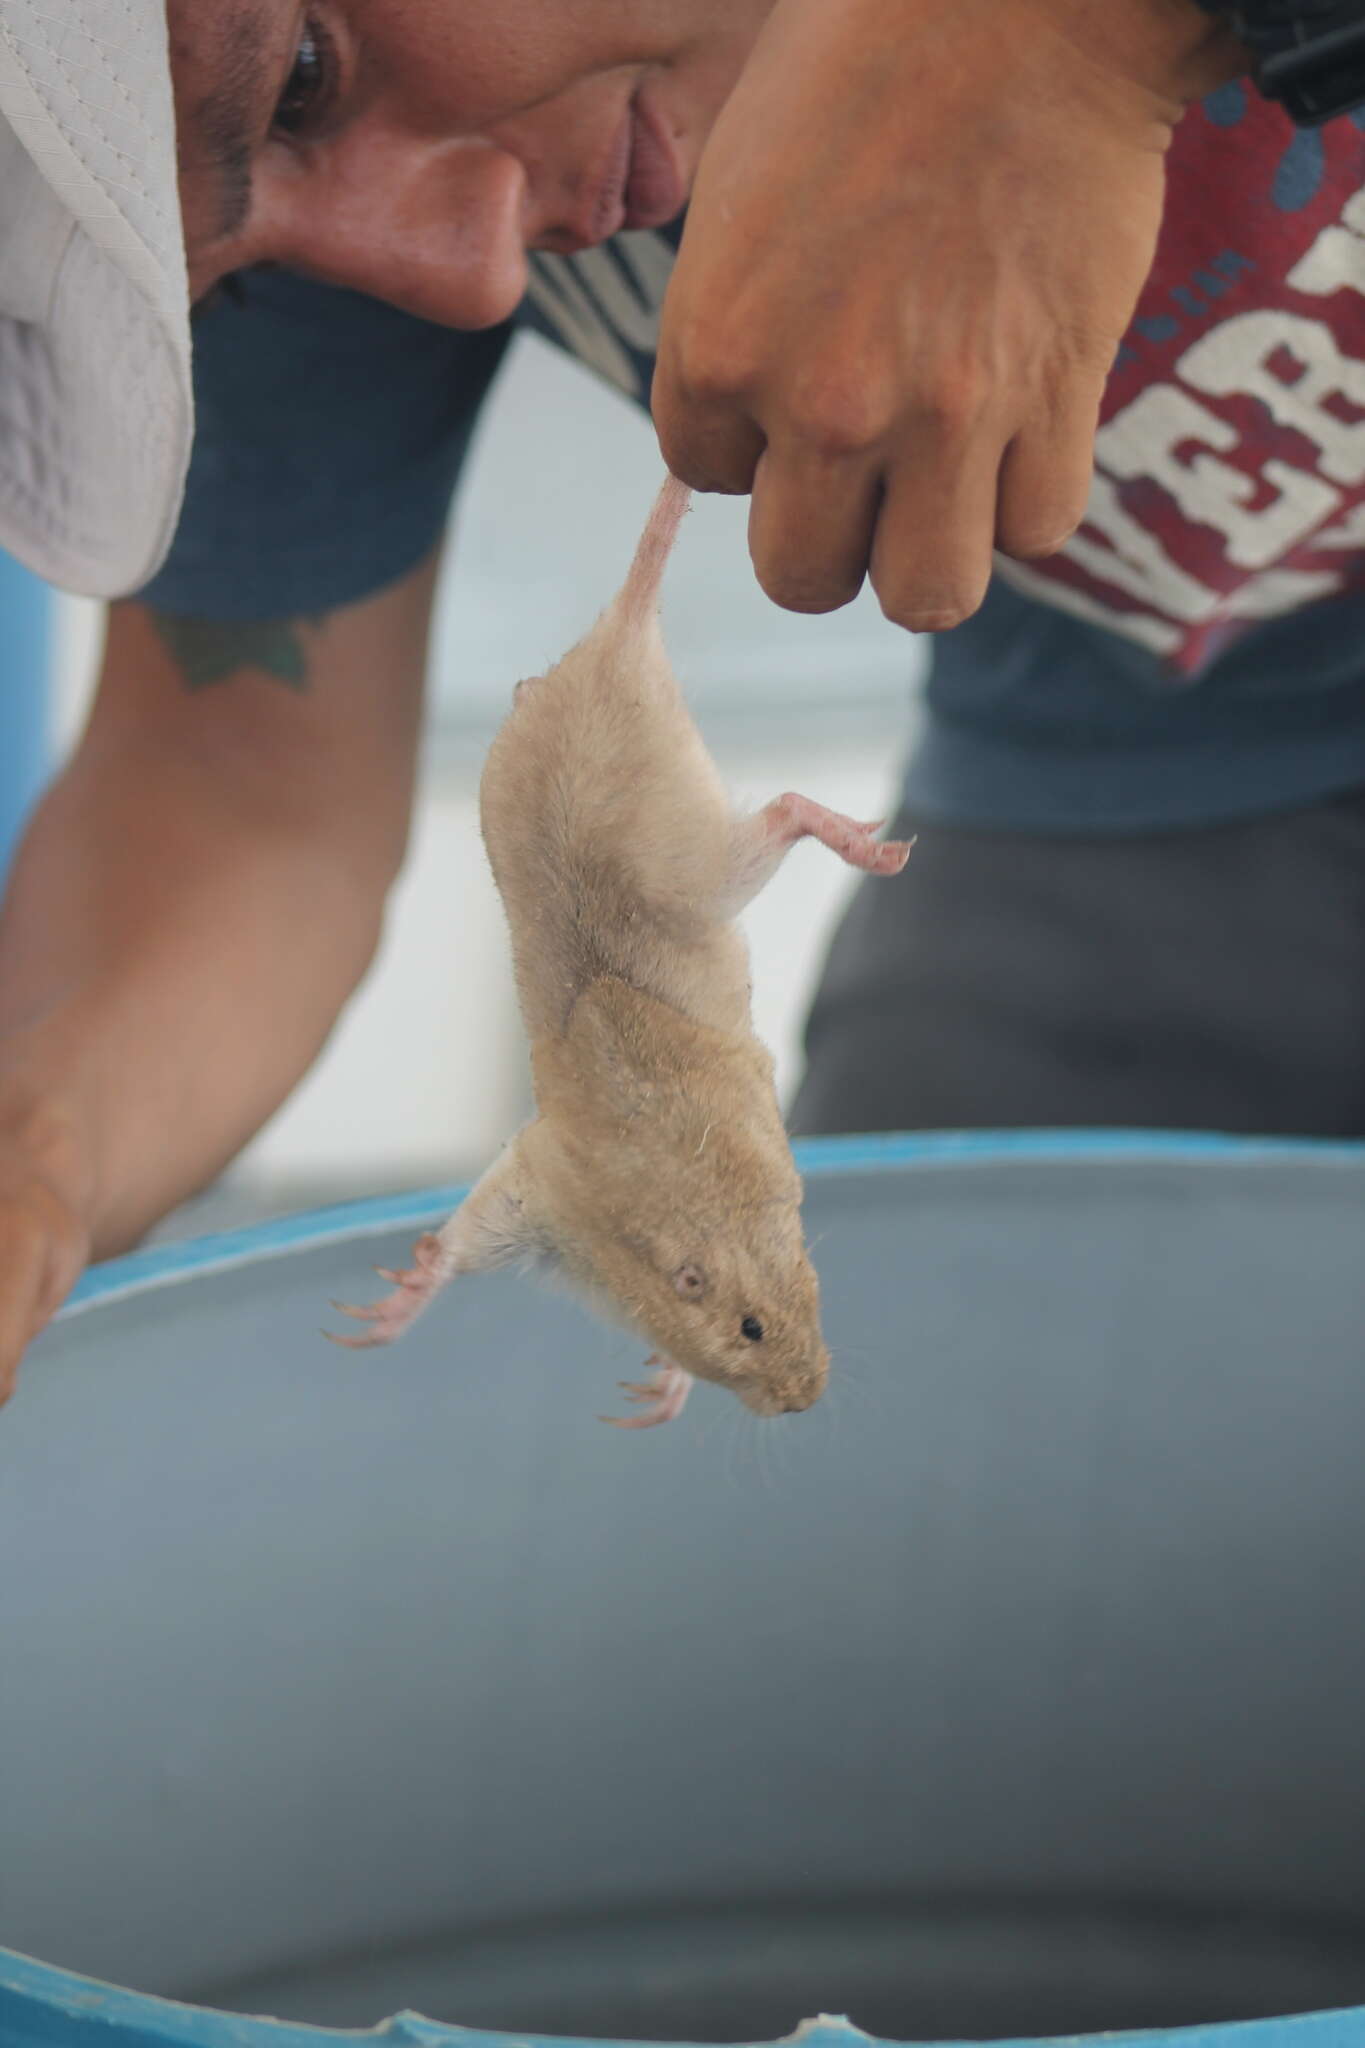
<point>437,231</point>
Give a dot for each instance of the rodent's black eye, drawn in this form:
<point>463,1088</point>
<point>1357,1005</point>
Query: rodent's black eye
<point>752,1329</point>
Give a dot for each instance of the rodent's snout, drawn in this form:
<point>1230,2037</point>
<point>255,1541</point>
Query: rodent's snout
<point>795,1404</point>
<point>781,1400</point>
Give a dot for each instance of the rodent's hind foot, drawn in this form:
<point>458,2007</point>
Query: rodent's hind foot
<point>414,1288</point>
<point>792,817</point>
<point>666,1393</point>
<point>759,844</point>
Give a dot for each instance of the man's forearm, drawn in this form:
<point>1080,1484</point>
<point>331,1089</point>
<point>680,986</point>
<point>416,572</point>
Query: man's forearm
<point>168,970</point>
<point>197,896</point>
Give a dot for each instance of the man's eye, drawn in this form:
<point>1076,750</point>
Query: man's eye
<point>308,84</point>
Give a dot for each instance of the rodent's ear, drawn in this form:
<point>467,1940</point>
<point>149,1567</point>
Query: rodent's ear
<point>690,1281</point>
<point>601,1039</point>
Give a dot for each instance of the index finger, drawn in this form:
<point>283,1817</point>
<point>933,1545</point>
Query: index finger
<point>707,432</point>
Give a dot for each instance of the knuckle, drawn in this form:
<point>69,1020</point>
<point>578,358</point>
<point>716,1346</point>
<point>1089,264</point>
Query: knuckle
<point>958,400</point>
<point>711,363</point>
<point>836,416</point>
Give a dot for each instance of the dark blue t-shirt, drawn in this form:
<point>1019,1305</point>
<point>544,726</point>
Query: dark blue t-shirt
<point>1171,669</point>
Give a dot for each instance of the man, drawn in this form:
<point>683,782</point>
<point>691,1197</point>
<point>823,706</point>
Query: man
<point>916,239</point>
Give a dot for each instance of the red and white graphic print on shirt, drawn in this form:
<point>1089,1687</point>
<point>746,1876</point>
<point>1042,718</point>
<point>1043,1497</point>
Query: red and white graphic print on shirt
<point>1230,463</point>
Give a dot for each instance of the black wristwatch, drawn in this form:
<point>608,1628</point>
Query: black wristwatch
<point>1307,54</point>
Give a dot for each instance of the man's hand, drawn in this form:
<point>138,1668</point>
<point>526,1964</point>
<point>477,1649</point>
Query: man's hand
<point>918,233</point>
<point>44,1210</point>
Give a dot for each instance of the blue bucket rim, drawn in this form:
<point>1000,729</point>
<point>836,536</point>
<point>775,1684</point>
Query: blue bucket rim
<point>39,1992</point>
<point>818,1158</point>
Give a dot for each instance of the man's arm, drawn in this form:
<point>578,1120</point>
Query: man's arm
<point>197,896</point>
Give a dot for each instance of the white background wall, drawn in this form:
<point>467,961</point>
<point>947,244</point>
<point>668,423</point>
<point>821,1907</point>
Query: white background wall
<point>426,1073</point>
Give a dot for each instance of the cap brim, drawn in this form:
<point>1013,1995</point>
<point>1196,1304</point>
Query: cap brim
<point>95,430</point>
<point>96,406</point>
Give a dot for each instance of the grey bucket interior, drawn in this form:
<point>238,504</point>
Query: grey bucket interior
<point>1020,1687</point>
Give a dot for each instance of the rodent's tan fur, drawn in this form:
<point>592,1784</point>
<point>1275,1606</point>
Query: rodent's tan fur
<point>659,1146</point>
<point>659,1143</point>
<point>608,831</point>
<point>656,1175</point>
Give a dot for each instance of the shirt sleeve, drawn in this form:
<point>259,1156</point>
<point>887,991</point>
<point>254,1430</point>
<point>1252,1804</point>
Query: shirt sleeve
<point>330,433</point>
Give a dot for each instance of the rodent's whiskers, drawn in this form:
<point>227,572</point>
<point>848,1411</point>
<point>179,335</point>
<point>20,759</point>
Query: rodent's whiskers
<point>734,1436</point>
<point>764,1428</point>
<point>852,1385</point>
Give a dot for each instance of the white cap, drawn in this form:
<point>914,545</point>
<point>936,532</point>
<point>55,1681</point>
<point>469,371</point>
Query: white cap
<point>96,409</point>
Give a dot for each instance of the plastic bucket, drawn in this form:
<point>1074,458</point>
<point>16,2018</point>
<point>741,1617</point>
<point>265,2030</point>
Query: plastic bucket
<point>1017,1689</point>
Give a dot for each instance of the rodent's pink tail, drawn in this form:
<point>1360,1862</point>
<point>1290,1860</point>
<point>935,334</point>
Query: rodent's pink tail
<point>640,594</point>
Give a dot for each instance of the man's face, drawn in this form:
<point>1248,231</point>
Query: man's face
<point>416,149</point>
